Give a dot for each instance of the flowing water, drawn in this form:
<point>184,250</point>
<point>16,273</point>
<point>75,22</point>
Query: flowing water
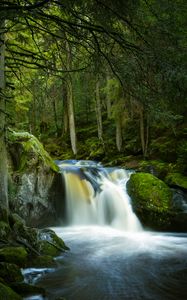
<point>111,256</point>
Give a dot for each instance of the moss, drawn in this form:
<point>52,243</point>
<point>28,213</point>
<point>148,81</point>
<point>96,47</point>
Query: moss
<point>32,151</point>
<point>151,199</point>
<point>4,230</point>
<point>42,261</point>
<point>46,248</point>
<point>150,192</point>
<point>7,293</point>
<point>17,255</point>
<point>10,272</point>
<point>176,179</point>
<point>50,236</point>
<point>25,289</point>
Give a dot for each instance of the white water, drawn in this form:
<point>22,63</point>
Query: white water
<point>97,195</point>
<point>106,263</point>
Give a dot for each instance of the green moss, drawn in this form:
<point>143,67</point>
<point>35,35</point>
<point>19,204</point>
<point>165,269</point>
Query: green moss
<point>4,230</point>
<point>7,293</point>
<point>50,236</point>
<point>150,192</point>
<point>17,255</point>
<point>42,261</point>
<point>10,272</point>
<point>46,248</point>
<point>176,179</point>
<point>25,289</point>
<point>151,199</point>
<point>32,152</point>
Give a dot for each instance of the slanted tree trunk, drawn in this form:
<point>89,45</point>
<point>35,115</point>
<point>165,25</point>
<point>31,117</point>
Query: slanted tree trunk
<point>3,154</point>
<point>99,111</point>
<point>70,104</point>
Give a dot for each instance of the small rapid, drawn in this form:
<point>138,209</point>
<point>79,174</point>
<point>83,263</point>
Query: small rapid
<point>109,264</point>
<point>97,195</point>
<point>111,257</point>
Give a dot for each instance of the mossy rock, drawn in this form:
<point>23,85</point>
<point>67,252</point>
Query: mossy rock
<point>32,152</point>
<point>46,248</point>
<point>25,289</point>
<point>16,255</point>
<point>42,261</point>
<point>10,272</point>
<point>4,230</point>
<point>176,180</point>
<point>6,293</point>
<point>50,236</point>
<point>151,199</point>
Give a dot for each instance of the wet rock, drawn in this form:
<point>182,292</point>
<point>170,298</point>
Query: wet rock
<point>16,255</point>
<point>34,181</point>
<point>25,289</point>
<point>10,272</point>
<point>7,293</point>
<point>151,200</point>
<point>176,180</point>
<point>42,261</point>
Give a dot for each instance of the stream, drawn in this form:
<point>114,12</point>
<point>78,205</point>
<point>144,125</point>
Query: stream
<point>111,256</point>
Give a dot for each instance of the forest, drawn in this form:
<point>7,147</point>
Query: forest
<point>97,80</point>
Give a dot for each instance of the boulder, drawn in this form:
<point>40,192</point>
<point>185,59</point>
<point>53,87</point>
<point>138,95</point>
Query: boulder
<point>16,255</point>
<point>151,200</point>
<point>33,186</point>
<point>177,180</point>
<point>7,293</point>
<point>10,272</point>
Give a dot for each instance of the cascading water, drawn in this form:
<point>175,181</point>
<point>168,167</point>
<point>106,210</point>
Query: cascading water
<point>97,195</point>
<point>106,263</point>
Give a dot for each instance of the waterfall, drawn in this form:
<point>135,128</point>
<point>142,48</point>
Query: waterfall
<point>97,195</point>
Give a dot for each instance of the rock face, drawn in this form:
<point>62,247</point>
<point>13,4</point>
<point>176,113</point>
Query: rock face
<point>151,200</point>
<point>34,192</point>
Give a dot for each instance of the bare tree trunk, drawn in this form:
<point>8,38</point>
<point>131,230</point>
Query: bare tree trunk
<point>99,112</point>
<point>144,132</point>
<point>70,104</point>
<point>65,112</point>
<point>3,154</point>
<point>119,134</point>
<point>108,101</point>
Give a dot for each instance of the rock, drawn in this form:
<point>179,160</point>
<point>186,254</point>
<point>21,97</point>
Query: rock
<point>10,272</point>
<point>34,181</point>
<point>151,200</point>
<point>25,289</point>
<point>7,293</point>
<point>42,261</point>
<point>16,255</point>
<point>50,243</point>
<point>4,230</point>
<point>50,235</point>
<point>177,180</point>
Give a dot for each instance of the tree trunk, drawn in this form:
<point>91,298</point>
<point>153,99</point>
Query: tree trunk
<point>144,132</point>
<point>118,134</point>
<point>65,112</point>
<point>3,154</point>
<point>108,101</point>
<point>70,104</point>
<point>99,112</point>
